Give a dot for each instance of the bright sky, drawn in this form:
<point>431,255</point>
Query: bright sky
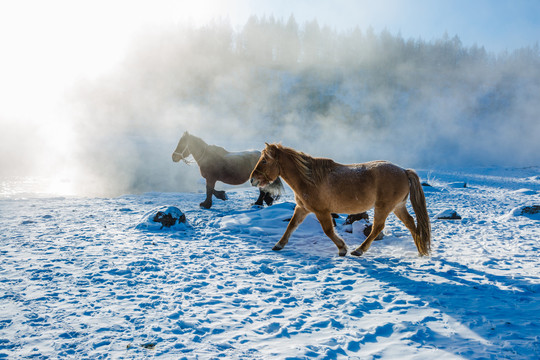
<point>46,45</point>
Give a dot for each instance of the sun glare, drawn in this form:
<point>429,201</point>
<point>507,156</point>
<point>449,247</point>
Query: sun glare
<point>48,45</point>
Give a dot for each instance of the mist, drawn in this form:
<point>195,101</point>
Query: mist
<point>350,95</point>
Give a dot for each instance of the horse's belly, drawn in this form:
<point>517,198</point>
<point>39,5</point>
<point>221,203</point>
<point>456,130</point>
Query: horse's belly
<point>352,203</point>
<point>349,193</point>
<point>235,176</point>
<point>237,168</point>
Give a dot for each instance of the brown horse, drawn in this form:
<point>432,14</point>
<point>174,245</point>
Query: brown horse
<point>323,186</point>
<point>218,164</point>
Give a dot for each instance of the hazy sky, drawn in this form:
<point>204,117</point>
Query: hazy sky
<point>47,44</point>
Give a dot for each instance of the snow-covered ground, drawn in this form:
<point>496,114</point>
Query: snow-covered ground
<point>79,279</point>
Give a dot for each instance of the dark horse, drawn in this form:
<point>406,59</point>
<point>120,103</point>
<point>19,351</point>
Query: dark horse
<point>218,164</point>
<point>323,186</point>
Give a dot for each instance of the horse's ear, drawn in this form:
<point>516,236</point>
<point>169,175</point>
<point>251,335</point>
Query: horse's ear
<point>271,150</point>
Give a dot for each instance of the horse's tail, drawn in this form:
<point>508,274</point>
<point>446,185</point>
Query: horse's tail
<point>275,188</point>
<point>422,239</point>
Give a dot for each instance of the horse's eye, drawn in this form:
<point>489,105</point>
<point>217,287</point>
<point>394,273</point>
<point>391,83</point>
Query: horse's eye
<point>263,161</point>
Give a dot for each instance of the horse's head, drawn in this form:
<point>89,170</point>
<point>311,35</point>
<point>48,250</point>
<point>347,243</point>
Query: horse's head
<point>182,149</point>
<point>267,169</point>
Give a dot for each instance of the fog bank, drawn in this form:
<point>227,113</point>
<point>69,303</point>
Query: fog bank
<point>353,96</point>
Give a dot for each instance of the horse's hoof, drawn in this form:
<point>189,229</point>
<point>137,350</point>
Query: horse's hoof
<point>221,195</point>
<point>277,248</point>
<point>357,252</point>
<point>205,206</point>
<point>342,252</point>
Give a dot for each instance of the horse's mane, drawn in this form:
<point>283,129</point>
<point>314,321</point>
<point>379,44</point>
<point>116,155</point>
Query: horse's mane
<point>218,150</point>
<point>312,170</point>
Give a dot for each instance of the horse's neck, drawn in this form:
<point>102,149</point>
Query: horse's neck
<point>198,148</point>
<point>290,173</point>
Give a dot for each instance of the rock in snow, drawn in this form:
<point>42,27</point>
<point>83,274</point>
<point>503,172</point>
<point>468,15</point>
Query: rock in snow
<point>532,212</point>
<point>448,214</point>
<point>163,217</point>
<point>457,185</point>
<point>360,223</point>
<point>356,217</point>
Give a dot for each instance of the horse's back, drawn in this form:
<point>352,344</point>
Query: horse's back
<point>217,150</point>
<point>235,167</point>
<point>387,176</point>
<point>358,187</point>
<point>249,156</point>
<point>246,153</point>
<point>386,169</point>
<point>367,173</point>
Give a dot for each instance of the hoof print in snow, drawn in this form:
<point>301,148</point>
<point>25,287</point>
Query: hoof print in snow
<point>448,215</point>
<point>165,217</point>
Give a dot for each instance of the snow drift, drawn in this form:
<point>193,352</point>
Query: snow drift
<point>80,279</point>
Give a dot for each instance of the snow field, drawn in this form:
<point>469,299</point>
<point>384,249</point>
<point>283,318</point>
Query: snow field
<point>78,279</point>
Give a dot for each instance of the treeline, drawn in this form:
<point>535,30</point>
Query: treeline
<point>271,68</point>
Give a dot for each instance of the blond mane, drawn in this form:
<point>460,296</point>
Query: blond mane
<point>312,170</point>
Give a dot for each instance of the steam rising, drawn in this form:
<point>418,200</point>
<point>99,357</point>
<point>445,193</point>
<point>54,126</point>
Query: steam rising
<point>353,96</point>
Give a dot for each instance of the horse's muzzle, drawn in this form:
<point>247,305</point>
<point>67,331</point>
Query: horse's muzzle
<point>176,157</point>
<point>254,182</point>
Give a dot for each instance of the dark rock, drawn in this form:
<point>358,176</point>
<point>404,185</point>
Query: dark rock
<point>530,210</point>
<point>367,231</point>
<point>448,214</point>
<point>168,220</point>
<point>457,185</point>
<point>364,217</point>
<point>355,217</point>
<point>169,217</point>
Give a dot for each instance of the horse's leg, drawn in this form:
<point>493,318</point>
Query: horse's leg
<point>334,217</point>
<point>259,201</point>
<point>220,194</point>
<point>406,218</point>
<point>299,215</point>
<point>268,198</point>
<point>379,219</point>
<point>327,224</point>
<point>207,204</point>
<point>403,215</point>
